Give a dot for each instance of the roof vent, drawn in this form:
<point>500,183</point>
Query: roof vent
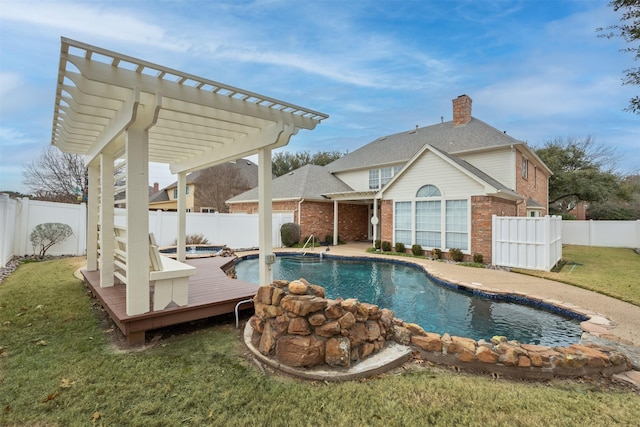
<point>382,138</point>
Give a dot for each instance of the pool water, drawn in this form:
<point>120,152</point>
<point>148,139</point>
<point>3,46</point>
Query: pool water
<point>415,298</point>
<point>194,250</point>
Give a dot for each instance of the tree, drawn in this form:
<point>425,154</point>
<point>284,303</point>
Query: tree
<point>629,30</point>
<point>217,184</point>
<point>582,172</point>
<point>624,204</point>
<point>48,234</point>
<point>285,162</point>
<point>57,177</point>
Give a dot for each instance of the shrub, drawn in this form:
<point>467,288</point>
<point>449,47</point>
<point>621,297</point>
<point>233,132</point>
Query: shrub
<point>399,247</point>
<point>436,253</point>
<point>477,258</point>
<point>48,234</point>
<point>377,244</point>
<point>328,239</point>
<point>455,254</point>
<point>290,234</point>
<point>417,250</point>
<point>386,246</point>
<point>193,239</point>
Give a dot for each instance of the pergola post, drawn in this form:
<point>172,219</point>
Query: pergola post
<point>92,217</point>
<point>106,220</point>
<point>264,213</point>
<point>182,216</point>
<point>136,152</point>
<point>375,222</point>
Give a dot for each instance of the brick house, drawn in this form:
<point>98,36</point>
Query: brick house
<point>244,171</point>
<point>436,186</point>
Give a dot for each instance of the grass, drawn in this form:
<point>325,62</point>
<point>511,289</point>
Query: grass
<point>609,271</point>
<point>59,366</point>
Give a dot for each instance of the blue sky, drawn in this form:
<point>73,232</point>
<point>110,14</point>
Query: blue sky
<point>535,69</point>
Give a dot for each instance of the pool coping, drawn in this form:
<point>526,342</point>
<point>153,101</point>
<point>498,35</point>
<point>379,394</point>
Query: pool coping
<point>592,323</point>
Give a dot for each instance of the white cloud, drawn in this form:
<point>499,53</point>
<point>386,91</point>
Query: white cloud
<point>88,19</point>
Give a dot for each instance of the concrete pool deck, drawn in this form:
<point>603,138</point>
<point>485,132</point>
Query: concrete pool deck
<point>613,322</point>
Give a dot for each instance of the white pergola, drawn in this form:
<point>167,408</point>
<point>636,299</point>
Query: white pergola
<point>113,108</point>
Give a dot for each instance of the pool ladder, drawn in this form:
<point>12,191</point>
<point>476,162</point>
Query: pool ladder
<point>313,244</point>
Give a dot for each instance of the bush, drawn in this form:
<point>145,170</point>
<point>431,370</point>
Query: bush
<point>377,244</point>
<point>477,258</point>
<point>328,239</point>
<point>417,250</point>
<point>386,246</point>
<point>436,253</point>
<point>455,254</point>
<point>48,234</point>
<point>290,234</point>
<point>400,247</point>
<point>193,239</point>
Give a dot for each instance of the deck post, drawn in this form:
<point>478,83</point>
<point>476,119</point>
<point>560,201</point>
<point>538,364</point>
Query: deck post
<point>92,217</point>
<point>137,154</point>
<point>106,220</point>
<point>264,216</point>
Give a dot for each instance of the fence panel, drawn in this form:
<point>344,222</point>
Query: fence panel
<point>19,217</point>
<point>617,234</point>
<point>8,207</point>
<point>526,242</point>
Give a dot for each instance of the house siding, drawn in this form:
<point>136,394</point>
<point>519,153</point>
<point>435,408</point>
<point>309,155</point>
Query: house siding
<point>451,183</point>
<point>482,209</point>
<point>494,163</point>
<point>358,180</point>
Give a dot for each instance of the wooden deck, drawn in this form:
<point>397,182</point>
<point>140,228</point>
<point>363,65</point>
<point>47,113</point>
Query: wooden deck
<point>211,293</point>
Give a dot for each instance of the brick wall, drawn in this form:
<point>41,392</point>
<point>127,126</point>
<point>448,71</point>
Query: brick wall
<point>534,186</point>
<point>482,209</point>
<point>386,220</point>
<point>317,218</point>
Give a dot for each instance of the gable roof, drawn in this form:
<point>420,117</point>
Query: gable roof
<point>308,182</point>
<point>248,170</point>
<point>400,147</point>
<point>461,164</point>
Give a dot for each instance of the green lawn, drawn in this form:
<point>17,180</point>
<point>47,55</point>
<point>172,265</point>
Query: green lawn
<point>59,366</point>
<point>609,271</point>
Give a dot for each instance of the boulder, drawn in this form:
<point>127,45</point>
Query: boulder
<point>299,326</point>
<point>300,351</point>
<point>301,305</point>
<point>338,352</point>
<point>296,287</point>
<point>329,329</point>
<point>334,309</point>
<point>347,321</point>
<point>429,342</point>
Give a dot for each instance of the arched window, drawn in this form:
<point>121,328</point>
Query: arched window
<point>428,191</point>
<point>428,217</point>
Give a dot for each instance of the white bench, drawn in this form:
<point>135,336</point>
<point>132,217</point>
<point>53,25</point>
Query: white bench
<point>170,278</point>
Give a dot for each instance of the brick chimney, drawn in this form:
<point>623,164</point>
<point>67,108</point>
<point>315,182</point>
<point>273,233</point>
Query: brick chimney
<point>461,110</point>
<point>156,187</point>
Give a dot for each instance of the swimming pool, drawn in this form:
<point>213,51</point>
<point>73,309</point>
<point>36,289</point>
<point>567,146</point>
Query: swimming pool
<point>416,298</point>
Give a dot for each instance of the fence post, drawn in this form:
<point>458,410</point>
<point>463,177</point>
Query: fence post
<point>22,222</point>
<point>637,234</point>
<point>592,230</point>
<point>494,232</point>
<point>5,244</point>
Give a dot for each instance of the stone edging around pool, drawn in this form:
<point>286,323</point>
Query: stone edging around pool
<point>295,328</point>
<point>593,323</point>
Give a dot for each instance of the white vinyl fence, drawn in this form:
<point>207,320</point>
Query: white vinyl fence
<point>617,234</point>
<point>19,217</point>
<point>527,242</point>
<point>22,215</point>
